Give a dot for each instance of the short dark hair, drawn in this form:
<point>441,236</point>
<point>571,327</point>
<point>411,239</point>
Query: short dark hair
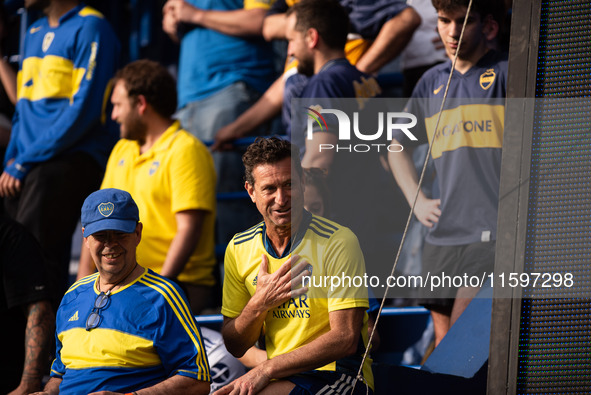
<point>269,150</point>
<point>151,80</point>
<point>328,17</point>
<point>495,8</point>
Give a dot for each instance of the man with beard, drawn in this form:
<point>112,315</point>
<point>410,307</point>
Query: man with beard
<point>59,144</point>
<point>170,175</point>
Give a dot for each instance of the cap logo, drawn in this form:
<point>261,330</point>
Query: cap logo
<point>106,209</point>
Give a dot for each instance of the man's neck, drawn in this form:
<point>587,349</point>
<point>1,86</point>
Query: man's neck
<point>281,236</point>
<point>465,64</point>
<point>57,9</point>
<point>156,128</point>
<point>322,58</point>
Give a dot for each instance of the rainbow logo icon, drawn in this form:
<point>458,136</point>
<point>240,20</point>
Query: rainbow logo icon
<point>316,116</point>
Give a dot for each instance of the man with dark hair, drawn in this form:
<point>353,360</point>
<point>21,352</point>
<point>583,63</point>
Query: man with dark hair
<point>59,143</point>
<point>466,153</point>
<point>170,173</point>
<point>315,336</point>
<point>378,32</point>
<point>124,329</point>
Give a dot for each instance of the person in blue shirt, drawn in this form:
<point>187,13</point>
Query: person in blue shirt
<point>125,328</point>
<point>59,143</point>
<point>224,65</point>
<point>466,151</point>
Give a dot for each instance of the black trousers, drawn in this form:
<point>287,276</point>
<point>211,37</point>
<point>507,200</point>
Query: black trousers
<point>49,207</point>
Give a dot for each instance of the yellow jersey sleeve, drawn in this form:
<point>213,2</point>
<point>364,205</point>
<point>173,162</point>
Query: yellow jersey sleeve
<point>235,293</point>
<point>251,4</point>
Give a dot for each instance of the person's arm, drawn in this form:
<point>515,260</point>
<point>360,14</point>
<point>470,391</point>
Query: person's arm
<point>170,25</point>
<point>38,335</point>
<point>189,224</point>
<point>391,40</point>
<point>426,210</point>
<point>51,388</point>
<point>240,22</point>
<point>8,79</point>
<point>268,106</point>
<point>242,332</point>
<point>254,356</point>
<point>274,27</point>
<point>96,53</point>
<point>173,385</point>
<point>339,342</point>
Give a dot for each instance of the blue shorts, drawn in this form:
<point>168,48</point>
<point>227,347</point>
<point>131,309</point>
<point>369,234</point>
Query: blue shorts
<point>322,382</point>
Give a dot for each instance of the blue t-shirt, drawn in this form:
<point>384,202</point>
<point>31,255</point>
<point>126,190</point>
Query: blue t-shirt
<point>467,147</point>
<point>210,61</point>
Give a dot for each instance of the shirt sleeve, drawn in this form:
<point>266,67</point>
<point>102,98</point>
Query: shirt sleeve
<point>235,294</point>
<point>57,367</point>
<point>179,342</point>
<point>344,258</point>
<point>95,61</point>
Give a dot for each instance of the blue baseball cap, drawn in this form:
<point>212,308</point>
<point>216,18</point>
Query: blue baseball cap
<point>109,209</point>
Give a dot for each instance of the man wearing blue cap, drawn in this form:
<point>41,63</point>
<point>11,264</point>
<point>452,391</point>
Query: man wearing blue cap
<point>125,328</point>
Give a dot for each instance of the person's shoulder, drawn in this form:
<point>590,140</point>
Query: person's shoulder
<point>82,285</point>
<point>248,235</point>
<point>160,287</point>
<point>91,13</point>
<point>184,138</point>
<point>122,147</point>
<point>183,144</point>
<point>92,20</point>
<point>37,25</point>
<point>436,72</point>
<point>327,229</point>
<point>432,81</point>
<point>497,59</point>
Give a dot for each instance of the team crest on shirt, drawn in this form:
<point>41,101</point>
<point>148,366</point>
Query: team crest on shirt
<point>487,78</point>
<point>254,281</point>
<point>47,40</point>
<point>154,167</point>
<point>106,209</point>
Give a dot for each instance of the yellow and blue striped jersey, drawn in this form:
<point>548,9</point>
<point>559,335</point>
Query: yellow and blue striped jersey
<point>147,334</point>
<point>62,91</point>
<point>330,250</point>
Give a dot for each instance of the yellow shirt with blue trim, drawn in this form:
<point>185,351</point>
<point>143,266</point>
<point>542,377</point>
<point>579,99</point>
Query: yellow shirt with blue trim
<point>174,175</point>
<point>330,250</point>
<point>146,334</point>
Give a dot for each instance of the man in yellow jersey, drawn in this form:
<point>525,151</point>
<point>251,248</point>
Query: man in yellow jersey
<point>124,329</point>
<point>315,335</point>
<point>170,175</point>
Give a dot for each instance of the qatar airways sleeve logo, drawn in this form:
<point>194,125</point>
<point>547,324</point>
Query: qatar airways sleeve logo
<point>402,121</point>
